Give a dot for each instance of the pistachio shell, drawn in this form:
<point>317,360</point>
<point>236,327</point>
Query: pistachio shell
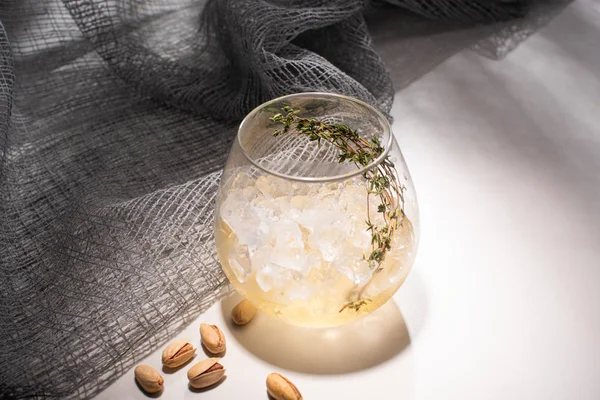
<point>212,338</point>
<point>148,378</point>
<point>243,312</point>
<point>201,367</point>
<point>280,388</point>
<point>178,353</point>
<point>205,373</point>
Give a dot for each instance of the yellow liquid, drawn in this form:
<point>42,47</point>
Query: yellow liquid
<point>328,297</point>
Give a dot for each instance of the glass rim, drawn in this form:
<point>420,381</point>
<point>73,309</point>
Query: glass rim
<point>347,175</point>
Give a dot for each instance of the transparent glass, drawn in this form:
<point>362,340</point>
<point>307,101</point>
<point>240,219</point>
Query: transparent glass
<point>292,221</point>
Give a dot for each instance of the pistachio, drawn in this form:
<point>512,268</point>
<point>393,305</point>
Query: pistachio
<point>205,373</point>
<point>178,353</point>
<point>148,378</point>
<point>243,312</point>
<point>280,388</point>
<point>212,338</point>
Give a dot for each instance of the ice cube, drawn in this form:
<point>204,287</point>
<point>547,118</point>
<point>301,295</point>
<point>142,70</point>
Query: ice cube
<point>329,241</point>
<point>264,186</point>
<point>244,179</point>
<point>260,257</point>
<point>249,193</point>
<point>352,264</point>
<point>236,216</point>
<point>299,203</point>
<point>239,261</point>
<point>264,279</point>
<point>289,250</point>
<point>271,276</point>
<point>250,222</point>
<point>315,218</point>
<point>244,224</point>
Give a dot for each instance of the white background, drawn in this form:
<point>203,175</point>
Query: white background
<point>504,299</point>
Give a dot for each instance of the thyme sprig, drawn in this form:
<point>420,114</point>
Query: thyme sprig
<point>382,181</point>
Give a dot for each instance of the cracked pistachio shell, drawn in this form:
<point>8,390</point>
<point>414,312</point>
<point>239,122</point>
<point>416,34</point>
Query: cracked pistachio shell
<point>205,373</point>
<point>178,353</point>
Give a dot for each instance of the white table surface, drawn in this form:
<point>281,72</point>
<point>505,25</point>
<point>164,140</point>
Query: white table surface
<point>504,299</point>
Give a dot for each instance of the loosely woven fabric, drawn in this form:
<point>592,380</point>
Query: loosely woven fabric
<point>116,117</point>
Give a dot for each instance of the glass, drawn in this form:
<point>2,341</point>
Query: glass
<point>292,222</point>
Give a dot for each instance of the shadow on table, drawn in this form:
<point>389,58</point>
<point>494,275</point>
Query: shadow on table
<point>355,346</point>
